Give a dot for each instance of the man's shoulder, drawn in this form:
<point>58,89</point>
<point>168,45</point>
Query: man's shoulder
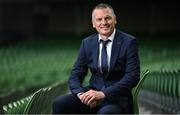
<point>125,35</point>
<point>91,37</point>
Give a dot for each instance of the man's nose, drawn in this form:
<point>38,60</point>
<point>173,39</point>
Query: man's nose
<point>104,21</point>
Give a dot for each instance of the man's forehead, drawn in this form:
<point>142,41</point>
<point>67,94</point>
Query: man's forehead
<point>104,12</point>
<point>108,10</point>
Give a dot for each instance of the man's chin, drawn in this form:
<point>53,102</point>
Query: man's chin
<point>106,33</point>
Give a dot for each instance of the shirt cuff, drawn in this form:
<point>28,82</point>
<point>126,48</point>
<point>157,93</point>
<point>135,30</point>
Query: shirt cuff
<point>79,94</point>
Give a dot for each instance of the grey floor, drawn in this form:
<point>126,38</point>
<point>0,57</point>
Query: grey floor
<point>144,110</point>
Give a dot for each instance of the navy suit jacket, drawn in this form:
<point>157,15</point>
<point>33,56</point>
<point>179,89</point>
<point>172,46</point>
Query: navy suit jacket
<point>124,70</point>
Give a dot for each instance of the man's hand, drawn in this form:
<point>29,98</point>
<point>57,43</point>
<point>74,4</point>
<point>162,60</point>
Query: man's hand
<point>92,98</point>
<point>93,104</point>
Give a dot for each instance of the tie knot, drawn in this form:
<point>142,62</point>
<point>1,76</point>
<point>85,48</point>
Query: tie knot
<point>105,42</point>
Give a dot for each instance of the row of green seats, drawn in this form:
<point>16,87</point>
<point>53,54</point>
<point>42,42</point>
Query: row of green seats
<point>165,86</point>
<point>160,59</point>
<point>39,102</point>
<point>16,107</point>
<point>27,66</point>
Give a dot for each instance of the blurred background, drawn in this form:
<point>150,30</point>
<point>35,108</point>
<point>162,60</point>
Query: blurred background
<point>39,42</point>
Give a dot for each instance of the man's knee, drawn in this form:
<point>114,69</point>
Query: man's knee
<point>60,104</point>
<point>58,101</point>
<point>67,104</point>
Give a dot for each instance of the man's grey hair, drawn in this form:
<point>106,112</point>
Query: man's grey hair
<point>103,6</point>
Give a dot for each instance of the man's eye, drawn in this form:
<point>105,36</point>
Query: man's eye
<point>99,19</point>
<point>108,18</point>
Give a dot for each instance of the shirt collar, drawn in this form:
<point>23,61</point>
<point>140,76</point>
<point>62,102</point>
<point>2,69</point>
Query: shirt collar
<point>111,37</point>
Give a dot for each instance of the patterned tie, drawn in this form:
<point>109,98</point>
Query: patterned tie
<point>104,65</point>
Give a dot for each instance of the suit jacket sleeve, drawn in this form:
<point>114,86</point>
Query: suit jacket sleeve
<point>131,76</point>
<point>78,72</point>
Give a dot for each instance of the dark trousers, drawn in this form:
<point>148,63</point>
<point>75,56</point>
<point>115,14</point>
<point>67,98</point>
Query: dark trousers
<point>70,104</point>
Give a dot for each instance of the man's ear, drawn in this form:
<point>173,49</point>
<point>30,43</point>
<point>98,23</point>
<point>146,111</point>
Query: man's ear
<point>115,20</point>
<point>93,24</point>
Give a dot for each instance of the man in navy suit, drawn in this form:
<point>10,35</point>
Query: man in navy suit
<point>112,57</point>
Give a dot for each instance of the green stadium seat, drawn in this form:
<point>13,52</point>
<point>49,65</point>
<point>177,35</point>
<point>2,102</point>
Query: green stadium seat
<point>16,107</point>
<point>136,90</point>
<point>41,102</point>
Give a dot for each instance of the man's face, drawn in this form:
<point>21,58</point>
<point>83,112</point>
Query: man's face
<point>104,21</point>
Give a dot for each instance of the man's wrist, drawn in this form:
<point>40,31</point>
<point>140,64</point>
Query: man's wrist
<point>78,95</point>
<point>102,94</point>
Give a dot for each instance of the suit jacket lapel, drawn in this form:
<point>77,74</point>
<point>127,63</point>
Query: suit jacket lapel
<point>96,51</point>
<point>115,49</point>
